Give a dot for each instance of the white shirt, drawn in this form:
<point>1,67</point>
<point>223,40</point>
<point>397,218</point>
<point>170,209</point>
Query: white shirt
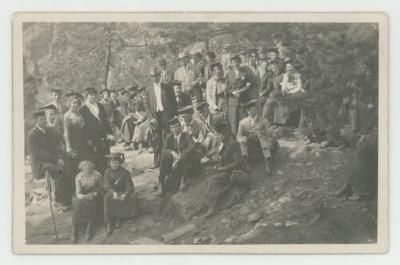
<point>157,92</point>
<point>253,120</point>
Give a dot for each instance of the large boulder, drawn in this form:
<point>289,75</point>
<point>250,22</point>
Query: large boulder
<point>190,202</point>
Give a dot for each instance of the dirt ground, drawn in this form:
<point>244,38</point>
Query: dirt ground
<point>296,205</point>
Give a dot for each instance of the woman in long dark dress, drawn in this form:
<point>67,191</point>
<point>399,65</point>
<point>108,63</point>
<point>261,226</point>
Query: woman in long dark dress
<point>73,136</point>
<point>88,206</point>
<point>222,188</point>
<point>119,199</point>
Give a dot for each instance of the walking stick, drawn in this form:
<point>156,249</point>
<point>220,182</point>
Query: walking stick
<point>51,205</point>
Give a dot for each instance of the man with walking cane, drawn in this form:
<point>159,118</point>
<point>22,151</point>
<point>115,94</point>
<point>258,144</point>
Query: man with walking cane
<point>46,152</point>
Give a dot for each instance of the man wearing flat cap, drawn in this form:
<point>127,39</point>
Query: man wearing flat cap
<point>177,160</point>
<point>46,150</point>
<point>198,82</point>
<point>192,126</point>
<point>54,120</point>
<point>167,75</point>
<point>240,88</point>
<point>182,99</point>
<point>160,105</point>
<point>108,104</point>
<point>185,73</point>
<point>97,130</point>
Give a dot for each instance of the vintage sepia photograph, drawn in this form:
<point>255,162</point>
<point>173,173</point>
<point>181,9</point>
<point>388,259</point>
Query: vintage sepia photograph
<point>201,132</point>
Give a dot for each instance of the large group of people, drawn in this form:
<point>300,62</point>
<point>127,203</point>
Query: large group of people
<point>212,108</point>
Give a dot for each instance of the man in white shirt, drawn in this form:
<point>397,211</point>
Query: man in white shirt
<point>160,106</point>
<point>255,146</point>
<point>184,74</point>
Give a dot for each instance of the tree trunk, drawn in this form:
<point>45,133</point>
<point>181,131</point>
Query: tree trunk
<point>108,64</point>
<point>110,30</point>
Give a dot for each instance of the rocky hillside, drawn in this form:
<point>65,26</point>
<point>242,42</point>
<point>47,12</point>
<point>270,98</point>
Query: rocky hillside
<point>295,205</point>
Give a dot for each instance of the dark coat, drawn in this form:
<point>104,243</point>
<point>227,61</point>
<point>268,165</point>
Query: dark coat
<point>183,100</point>
<point>185,142</point>
<point>273,86</point>
<point>96,130</point>
<point>168,100</point>
<point>44,148</point>
<point>234,83</point>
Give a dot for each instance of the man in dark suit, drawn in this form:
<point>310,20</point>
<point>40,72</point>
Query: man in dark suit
<point>160,105</point>
<point>97,130</point>
<point>46,153</point>
<point>178,158</point>
<point>240,88</point>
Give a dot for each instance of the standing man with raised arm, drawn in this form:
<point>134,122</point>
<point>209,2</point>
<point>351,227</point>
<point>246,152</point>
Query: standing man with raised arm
<point>160,105</point>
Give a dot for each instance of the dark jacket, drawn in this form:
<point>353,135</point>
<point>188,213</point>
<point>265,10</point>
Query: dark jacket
<point>185,142</point>
<point>273,87</point>
<point>118,180</point>
<point>183,100</point>
<point>43,148</point>
<point>234,83</point>
<point>167,97</point>
<point>96,130</point>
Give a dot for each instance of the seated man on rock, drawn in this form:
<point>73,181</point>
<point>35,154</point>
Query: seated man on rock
<point>211,142</point>
<point>179,159</point>
<point>192,126</point>
<point>257,143</point>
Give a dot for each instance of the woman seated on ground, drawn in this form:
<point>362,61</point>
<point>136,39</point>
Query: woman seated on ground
<point>142,123</point>
<point>119,200</point>
<point>88,206</point>
<point>223,188</point>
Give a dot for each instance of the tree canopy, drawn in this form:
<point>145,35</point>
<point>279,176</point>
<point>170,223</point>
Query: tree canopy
<point>336,60</point>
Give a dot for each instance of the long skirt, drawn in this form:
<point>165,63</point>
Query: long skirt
<point>127,129</point>
<point>221,192</point>
<point>139,136</point>
<point>86,211</point>
<point>281,114</point>
<point>120,209</point>
<point>233,117</point>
